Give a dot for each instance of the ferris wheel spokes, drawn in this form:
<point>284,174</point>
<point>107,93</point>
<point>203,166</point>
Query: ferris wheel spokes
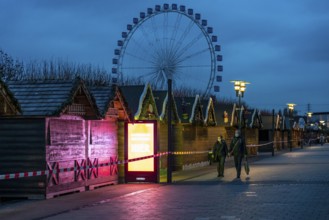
<point>182,59</point>
<point>183,36</point>
<point>189,45</point>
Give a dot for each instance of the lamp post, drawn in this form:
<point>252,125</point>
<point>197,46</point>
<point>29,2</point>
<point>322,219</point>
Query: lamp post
<point>291,107</point>
<point>240,88</point>
<point>169,158</point>
<point>308,129</point>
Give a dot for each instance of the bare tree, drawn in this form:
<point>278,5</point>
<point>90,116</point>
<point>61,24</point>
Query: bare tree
<point>9,68</point>
<point>64,70</point>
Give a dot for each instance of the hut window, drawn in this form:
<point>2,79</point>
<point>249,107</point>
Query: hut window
<point>76,109</point>
<point>113,112</point>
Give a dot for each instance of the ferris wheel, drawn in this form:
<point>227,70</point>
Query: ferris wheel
<point>169,41</point>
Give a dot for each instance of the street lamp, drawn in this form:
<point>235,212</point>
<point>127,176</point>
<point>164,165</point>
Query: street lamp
<point>309,114</point>
<point>309,124</point>
<point>240,88</point>
<point>291,107</point>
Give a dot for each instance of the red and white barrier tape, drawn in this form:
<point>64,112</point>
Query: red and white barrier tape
<point>62,170</point>
<point>78,168</point>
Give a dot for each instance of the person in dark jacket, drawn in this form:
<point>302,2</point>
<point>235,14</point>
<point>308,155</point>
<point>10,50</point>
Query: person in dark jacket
<point>220,152</point>
<point>238,150</point>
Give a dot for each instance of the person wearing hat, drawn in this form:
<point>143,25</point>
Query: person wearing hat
<point>220,152</point>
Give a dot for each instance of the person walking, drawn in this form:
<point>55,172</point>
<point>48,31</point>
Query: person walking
<point>321,139</point>
<point>220,152</point>
<point>238,150</point>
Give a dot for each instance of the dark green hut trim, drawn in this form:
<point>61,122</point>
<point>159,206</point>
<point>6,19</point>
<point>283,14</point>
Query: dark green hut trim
<point>147,99</point>
<point>209,112</point>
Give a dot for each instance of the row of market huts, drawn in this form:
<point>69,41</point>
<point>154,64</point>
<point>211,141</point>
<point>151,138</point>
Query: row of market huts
<point>57,124</point>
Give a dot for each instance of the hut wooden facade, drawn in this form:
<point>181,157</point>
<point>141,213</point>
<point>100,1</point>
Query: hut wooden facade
<point>291,131</point>
<point>191,134</point>
<point>104,145</point>
<point>266,134</point>
<point>52,133</point>
<point>226,117</point>
<point>224,114</point>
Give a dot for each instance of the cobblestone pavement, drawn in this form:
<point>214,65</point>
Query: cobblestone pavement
<point>291,185</point>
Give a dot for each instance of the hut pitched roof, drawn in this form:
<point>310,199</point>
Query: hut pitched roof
<point>103,96</point>
<point>224,113</point>
<point>189,109</point>
<point>161,100</point>
<point>252,118</point>
<point>8,103</point>
<point>208,111</point>
<point>109,101</point>
<point>135,97</point>
<point>53,97</point>
<point>267,122</point>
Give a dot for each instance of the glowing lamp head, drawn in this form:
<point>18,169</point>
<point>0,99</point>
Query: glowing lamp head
<point>291,106</point>
<point>239,87</point>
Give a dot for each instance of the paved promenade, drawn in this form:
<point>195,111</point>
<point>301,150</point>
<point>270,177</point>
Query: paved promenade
<point>290,185</point>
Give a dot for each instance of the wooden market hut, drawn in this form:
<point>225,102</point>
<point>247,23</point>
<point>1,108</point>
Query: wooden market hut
<point>104,143</point>
<point>266,134</point>
<point>51,133</point>
<point>161,100</point>
<point>291,133</point>
<point>252,123</point>
<point>8,103</point>
<point>191,134</point>
<point>296,131</point>
<point>140,105</point>
<point>226,119</point>
<point>300,126</point>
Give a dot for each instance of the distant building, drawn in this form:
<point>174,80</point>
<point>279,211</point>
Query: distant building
<point>317,117</point>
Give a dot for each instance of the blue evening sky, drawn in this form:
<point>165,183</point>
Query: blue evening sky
<point>280,46</point>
